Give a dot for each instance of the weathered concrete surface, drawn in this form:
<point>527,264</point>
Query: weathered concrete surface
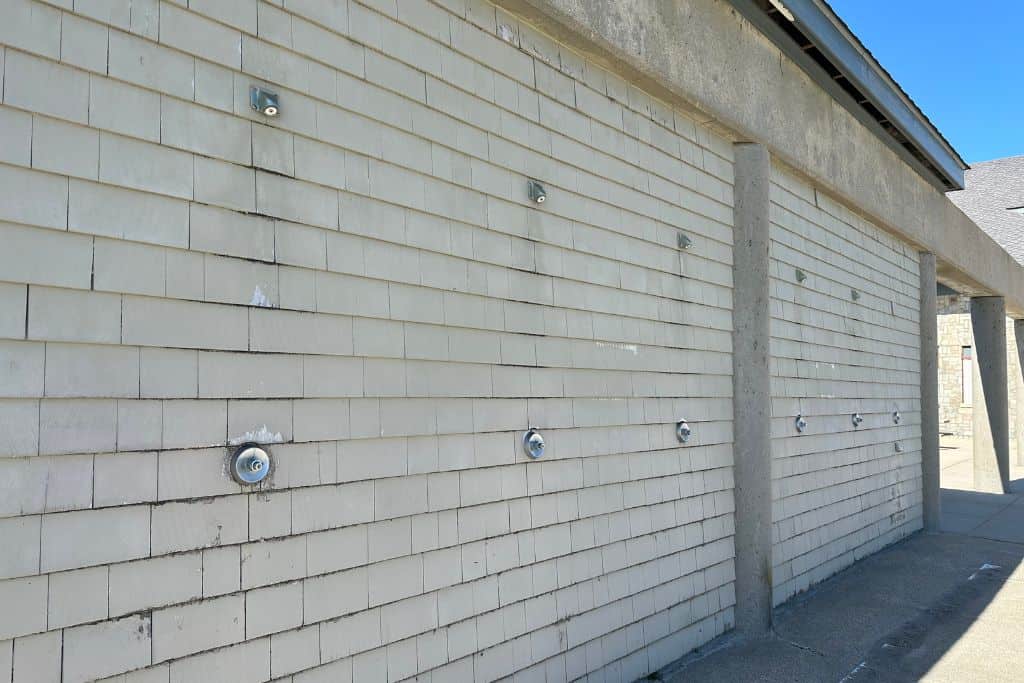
<point>991,429</point>
<point>923,609</point>
<point>1018,342</point>
<point>702,54</point>
<point>751,381</point>
<point>929,394</point>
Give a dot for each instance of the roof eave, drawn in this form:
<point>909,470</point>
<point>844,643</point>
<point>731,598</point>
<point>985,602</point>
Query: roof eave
<point>834,40</point>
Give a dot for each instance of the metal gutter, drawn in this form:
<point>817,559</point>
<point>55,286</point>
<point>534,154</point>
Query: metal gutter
<point>929,153</point>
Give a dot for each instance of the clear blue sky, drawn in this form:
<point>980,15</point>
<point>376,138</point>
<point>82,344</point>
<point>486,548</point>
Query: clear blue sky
<point>962,63</point>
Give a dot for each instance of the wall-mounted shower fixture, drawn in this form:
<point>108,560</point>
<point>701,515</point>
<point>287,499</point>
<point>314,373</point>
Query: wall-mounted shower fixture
<point>533,443</point>
<point>801,423</point>
<point>264,102</point>
<point>856,419</point>
<point>536,191</point>
<point>683,431</point>
<point>250,464</point>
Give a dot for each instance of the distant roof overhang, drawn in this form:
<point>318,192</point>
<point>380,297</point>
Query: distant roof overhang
<point>817,40</point>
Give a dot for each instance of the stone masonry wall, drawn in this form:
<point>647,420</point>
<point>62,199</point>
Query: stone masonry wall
<point>363,283</point>
<point>845,304</point>
<point>954,328</point>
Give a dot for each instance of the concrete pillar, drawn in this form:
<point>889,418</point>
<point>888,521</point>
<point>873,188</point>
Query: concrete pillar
<point>1018,338</point>
<point>930,464</point>
<point>991,411</point>
<point>752,390</point>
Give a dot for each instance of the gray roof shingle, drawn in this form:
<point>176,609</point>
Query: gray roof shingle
<point>992,189</point>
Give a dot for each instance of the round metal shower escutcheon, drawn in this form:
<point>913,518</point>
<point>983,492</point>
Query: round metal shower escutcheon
<point>250,464</point>
<point>533,443</point>
<point>683,431</point>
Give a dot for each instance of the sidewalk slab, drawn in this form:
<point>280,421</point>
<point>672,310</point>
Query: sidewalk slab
<point>934,607</point>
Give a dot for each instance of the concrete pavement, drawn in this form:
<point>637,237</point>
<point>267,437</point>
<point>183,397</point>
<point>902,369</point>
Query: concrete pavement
<point>973,513</point>
<point>939,607</point>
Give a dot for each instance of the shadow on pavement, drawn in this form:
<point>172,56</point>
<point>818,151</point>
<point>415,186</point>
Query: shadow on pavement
<point>985,515</point>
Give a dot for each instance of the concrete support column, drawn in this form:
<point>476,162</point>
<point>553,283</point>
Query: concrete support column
<point>1018,334</point>
<point>991,410</point>
<point>930,465</point>
<point>752,390</point>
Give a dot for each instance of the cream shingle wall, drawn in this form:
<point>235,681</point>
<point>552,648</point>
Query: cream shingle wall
<point>840,492</point>
<point>363,282</point>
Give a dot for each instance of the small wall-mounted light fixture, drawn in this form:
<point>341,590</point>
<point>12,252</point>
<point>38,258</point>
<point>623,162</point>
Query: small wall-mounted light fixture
<point>899,447</point>
<point>854,294</point>
<point>801,423</point>
<point>684,241</point>
<point>264,102</point>
<point>533,443</point>
<point>250,464</point>
<point>800,275</point>
<point>536,191</point>
<point>683,431</point>
<point>896,417</point>
<point>856,419</point>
